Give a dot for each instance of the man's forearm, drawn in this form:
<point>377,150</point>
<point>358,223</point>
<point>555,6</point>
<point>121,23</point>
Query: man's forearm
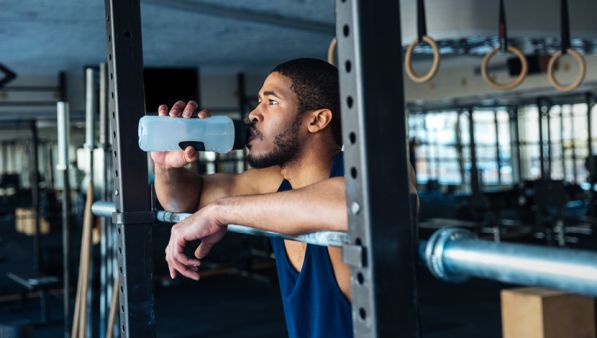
<point>177,189</point>
<point>318,207</point>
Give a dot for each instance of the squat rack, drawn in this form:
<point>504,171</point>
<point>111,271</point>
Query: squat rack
<point>382,244</point>
<point>376,159</point>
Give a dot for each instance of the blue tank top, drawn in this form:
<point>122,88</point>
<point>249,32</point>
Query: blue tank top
<point>314,306</point>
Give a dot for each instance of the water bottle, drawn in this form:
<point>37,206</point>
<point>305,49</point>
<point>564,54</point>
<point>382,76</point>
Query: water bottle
<point>218,133</point>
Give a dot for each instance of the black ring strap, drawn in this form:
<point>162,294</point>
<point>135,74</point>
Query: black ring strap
<point>565,26</point>
<point>502,30</point>
<point>421,20</point>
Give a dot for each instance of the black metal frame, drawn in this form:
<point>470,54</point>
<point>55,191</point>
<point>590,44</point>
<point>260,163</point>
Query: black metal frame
<point>132,200</point>
<point>383,247</point>
<point>382,253</point>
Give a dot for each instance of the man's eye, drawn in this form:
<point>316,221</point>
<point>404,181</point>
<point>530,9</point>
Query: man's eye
<point>273,102</point>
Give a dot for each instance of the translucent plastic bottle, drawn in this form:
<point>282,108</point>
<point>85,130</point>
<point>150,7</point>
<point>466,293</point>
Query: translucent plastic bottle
<point>218,133</point>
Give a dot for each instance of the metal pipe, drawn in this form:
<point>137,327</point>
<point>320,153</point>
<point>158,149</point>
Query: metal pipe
<point>332,238</point>
<point>62,165</point>
<point>90,103</point>
<point>454,255</point>
<point>90,108</point>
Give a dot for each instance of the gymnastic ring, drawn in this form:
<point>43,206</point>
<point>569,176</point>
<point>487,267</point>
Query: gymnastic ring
<point>408,60</point>
<point>582,70</point>
<point>331,50</point>
<point>505,86</point>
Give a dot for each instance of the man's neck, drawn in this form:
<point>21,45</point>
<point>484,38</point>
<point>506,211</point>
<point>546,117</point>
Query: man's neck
<point>311,166</point>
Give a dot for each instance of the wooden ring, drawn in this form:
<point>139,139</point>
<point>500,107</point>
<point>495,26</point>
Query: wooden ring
<point>582,70</point>
<point>331,50</point>
<point>505,86</point>
<point>408,60</point>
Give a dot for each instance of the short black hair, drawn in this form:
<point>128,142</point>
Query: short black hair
<point>315,83</point>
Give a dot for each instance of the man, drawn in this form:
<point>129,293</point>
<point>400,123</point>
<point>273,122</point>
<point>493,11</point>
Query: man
<point>297,187</point>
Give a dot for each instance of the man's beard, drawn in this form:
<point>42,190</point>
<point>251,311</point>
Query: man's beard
<point>286,148</point>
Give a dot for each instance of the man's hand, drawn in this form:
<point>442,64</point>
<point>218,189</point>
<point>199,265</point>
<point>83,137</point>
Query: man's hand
<point>203,225</point>
<point>178,158</point>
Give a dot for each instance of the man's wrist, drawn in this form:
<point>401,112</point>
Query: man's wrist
<point>221,210</point>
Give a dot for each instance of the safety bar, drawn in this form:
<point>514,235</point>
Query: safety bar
<point>331,238</point>
<point>454,255</point>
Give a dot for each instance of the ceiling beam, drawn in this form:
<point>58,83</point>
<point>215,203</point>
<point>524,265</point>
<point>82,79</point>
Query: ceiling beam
<point>246,15</point>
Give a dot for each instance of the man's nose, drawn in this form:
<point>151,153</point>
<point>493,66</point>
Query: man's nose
<point>255,115</point>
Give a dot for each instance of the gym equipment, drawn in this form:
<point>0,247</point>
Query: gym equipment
<point>565,49</point>
<point>36,282</point>
<point>107,209</point>
<point>455,254</point>
<point>503,47</point>
<point>63,126</point>
<point>422,36</point>
<point>332,50</point>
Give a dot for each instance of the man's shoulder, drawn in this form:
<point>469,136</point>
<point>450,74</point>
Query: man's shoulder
<point>263,180</point>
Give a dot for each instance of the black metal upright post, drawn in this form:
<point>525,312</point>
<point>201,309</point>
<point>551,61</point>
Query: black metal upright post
<point>133,217</point>
<point>427,144</point>
<point>4,157</point>
<point>549,150</point>
<point>498,155</point>
<point>475,177</point>
<point>590,102</point>
<point>515,158</point>
<point>50,166</point>
<point>460,148</point>
<point>542,109</point>
<point>34,172</point>
<point>242,94</point>
<point>382,252</point>
<point>573,144</point>
<point>562,145</point>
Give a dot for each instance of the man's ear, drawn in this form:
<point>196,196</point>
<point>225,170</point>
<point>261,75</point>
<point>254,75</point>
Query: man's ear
<point>319,119</point>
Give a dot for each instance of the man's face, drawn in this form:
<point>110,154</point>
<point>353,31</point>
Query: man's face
<point>275,132</point>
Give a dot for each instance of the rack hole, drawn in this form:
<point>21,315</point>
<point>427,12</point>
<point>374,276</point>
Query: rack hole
<point>352,137</point>
<point>127,34</point>
<point>346,30</point>
<point>348,66</point>
<point>358,241</point>
<point>360,278</point>
<point>349,101</point>
<point>353,172</point>
<point>362,313</point>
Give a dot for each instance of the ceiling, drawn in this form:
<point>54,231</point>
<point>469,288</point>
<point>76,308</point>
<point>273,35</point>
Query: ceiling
<point>45,36</point>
